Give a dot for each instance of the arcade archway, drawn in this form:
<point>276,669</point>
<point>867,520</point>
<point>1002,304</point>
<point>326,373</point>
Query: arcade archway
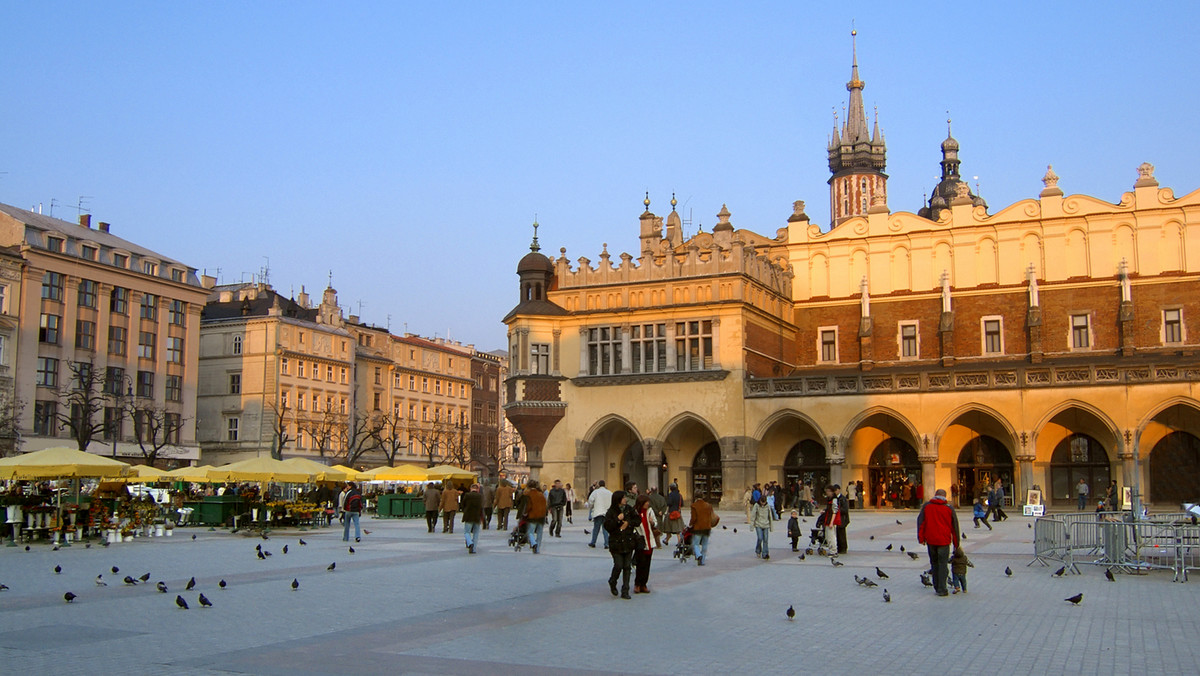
<point>614,452</point>
<point>981,461</point>
<point>707,480</point>
<point>1079,456</point>
<point>806,463</point>
<point>894,472</point>
<point>1175,469</point>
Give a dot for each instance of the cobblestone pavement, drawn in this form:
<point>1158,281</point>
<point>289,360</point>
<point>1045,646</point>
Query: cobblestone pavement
<point>408,602</point>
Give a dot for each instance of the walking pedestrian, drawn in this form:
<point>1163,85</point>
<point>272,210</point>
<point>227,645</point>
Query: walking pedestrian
<point>489,500</point>
<point>504,503</point>
<point>761,518</point>
<point>674,522</point>
<point>557,498</point>
<point>352,507</point>
<point>830,518</point>
<point>570,503</point>
<point>959,564</point>
<point>618,523</point>
<point>703,520</point>
<point>793,530</point>
<point>1081,490</point>
<point>472,516</point>
<point>980,514</point>
<point>937,529</point>
<point>646,543</point>
<point>534,506</point>
<point>449,506</point>
<point>851,495</point>
<point>433,502</point>
<point>998,496</point>
<point>806,498</point>
<point>748,500</point>
<point>1112,500</point>
<point>658,503</point>
<point>598,503</point>
<point>843,521</point>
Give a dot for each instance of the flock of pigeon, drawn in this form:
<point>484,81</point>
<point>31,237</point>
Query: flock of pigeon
<point>161,586</point>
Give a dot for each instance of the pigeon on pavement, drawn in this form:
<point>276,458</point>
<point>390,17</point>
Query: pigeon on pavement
<point>180,602</point>
<point>880,574</point>
<point>161,586</point>
<point>191,584</point>
<point>1075,599</point>
<point>791,613</point>
<point>295,584</point>
<point>204,602</point>
<point>69,597</point>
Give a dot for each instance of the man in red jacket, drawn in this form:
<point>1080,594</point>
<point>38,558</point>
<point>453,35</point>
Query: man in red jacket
<point>937,529</point>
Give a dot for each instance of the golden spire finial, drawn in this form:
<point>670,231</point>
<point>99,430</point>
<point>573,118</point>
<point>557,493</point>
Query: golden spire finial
<point>647,200</point>
<point>673,201</point>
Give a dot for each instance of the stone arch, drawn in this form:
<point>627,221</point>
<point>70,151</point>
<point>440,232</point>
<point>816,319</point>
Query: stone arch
<point>1075,251</point>
<point>943,259</point>
<point>1075,440</point>
<point>818,270</point>
<point>883,411</point>
<point>777,438</point>
<point>982,409</point>
<point>682,437</point>
<point>1172,253</point>
<point>1031,253</point>
<point>783,414</point>
<point>986,261</point>
<point>1166,438</point>
<point>901,269</point>
<point>608,447</point>
<point>1125,246</point>
<point>875,428</point>
<point>1109,427</point>
<point>858,269</point>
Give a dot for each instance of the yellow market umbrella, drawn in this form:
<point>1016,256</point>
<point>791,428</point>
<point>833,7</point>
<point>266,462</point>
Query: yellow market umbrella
<point>318,470</point>
<point>443,472</point>
<point>197,475</point>
<point>60,463</point>
<point>147,474</point>
<point>260,469</point>
<point>350,472</point>
<point>398,473</point>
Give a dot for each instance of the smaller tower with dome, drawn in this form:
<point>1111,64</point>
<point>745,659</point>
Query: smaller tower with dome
<point>951,186</point>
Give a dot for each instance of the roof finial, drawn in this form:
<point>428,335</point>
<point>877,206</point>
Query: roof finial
<point>647,201</point>
<point>534,246</point>
<point>673,202</point>
<point>331,279</point>
<point>948,134</point>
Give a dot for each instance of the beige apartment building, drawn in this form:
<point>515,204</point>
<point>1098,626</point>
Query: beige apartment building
<point>1051,340</point>
<point>88,301</point>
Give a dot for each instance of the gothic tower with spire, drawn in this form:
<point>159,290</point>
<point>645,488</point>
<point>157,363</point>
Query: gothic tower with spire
<point>856,156</point>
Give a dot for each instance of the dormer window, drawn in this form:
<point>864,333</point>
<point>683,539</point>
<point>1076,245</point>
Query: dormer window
<point>120,260</point>
<point>89,252</point>
<point>150,267</point>
<point>55,244</point>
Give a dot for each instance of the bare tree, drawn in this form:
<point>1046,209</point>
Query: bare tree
<point>84,398</point>
<point>280,420</point>
<point>357,436</point>
<point>432,435</point>
<point>390,433</point>
<point>155,429</point>
<point>10,423</point>
<point>323,428</point>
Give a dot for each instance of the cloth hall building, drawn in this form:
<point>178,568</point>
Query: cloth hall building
<point>1048,341</point>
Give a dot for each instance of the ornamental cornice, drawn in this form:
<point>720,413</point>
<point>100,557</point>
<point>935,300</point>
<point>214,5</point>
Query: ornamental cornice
<point>650,378</point>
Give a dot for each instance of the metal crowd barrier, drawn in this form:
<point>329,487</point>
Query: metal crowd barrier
<point>1107,539</point>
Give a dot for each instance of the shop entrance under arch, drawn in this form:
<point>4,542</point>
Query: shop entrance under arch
<point>1175,469</point>
<point>981,461</point>
<point>1079,456</point>
<point>894,464</point>
<point>707,482</point>
<point>806,463</point>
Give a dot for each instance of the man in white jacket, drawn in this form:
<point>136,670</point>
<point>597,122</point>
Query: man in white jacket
<point>598,503</point>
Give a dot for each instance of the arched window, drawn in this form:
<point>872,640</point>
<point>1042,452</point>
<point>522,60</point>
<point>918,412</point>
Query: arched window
<point>1079,456</point>
<point>237,344</point>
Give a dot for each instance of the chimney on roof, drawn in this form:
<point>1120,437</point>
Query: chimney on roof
<point>85,220</point>
<point>103,226</point>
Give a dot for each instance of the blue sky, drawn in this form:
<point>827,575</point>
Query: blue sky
<point>407,146</point>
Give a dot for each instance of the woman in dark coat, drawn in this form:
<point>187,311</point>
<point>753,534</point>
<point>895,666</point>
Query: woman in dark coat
<point>674,506</point>
<point>620,522</point>
<point>646,526</point>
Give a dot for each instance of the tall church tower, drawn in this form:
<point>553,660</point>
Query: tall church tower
<point>856,157</point>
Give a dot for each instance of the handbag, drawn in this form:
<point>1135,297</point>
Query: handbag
<point>674,515</point>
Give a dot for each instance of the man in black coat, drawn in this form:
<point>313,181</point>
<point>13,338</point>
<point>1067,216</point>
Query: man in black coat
<point>844,509</point>
<point>558,501</point>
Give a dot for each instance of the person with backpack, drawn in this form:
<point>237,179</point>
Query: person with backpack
<point>534,510</point>
<point>352,506</point>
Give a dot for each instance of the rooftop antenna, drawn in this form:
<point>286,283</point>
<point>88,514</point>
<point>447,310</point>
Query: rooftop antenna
<point>389,322</point>
<point>53,203</point>
<point>360,307</point>
<point>264,275</point>
<point>331,279</point>
<point>80,208</point>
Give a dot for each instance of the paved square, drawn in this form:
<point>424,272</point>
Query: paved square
<point>408,602</point>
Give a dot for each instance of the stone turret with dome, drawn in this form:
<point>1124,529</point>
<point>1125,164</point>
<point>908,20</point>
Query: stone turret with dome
<point>536,273</point>
<point>951,187</point>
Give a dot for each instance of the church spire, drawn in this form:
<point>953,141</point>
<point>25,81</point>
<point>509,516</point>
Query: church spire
<point>855,130</point>
<point>857,155</point>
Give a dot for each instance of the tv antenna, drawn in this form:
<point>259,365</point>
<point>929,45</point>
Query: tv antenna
<point>264,274</point>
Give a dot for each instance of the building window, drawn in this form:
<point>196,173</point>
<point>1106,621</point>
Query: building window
<point>120,261</point>
<point>329,403</point>
<point>300,368</point>
<point>231,429</point>
<point>603,350</point>
<point>50,328</point>
<point>378,400</point>
<point>237,344</point>
<point>412,411</point>
<point>116,340</point>
<point>47,372</point>
<point>301,336</point>
<point>149,267</point>
<point>1172,326</point>
<point>909,343</point>
<point>4,298</point>
<point>52,286</point>
<point>113,419</point>
<point>175,350</point>
<point>300,401</point>
<point>1081,331</point>
<point>235,383</point>
<point>378,376</point>
<point>343,374</point>
<point>827,337</point>
<point>149,307</point>
<point>539,358</point>
<point>329,374</point>
<point>114,378</point>
<point>412,383</point>
<point>993,335</point>
<point>283,365</point>
<point>174,425</point>
<point>87,293</point>
<point>85,334</point>
<point>43,418</point>
<point>316,403</point>
<point>174,388</point>
<point>3,351</point>
<point>145,384</point>
<point>648,347</point>
<point>424,384</point>
<point>146,344</point>
<point>176,275</point>
<point>119,301</point>
<point>693,345</point>
<point>437,386</point>
<point>342,405</point>
<point>55,244</point>
<point>175,313</point>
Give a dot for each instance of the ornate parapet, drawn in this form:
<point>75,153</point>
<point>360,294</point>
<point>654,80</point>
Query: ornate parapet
<point>651,378</point>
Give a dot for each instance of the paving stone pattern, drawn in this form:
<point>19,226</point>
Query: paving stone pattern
<point>409,602</point>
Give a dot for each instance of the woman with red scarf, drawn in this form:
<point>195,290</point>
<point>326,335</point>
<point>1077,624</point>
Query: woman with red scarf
<point>647,524</point>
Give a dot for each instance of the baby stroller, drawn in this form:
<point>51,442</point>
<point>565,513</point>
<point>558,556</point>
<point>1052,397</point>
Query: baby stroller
<point>816,536</point>
<point>518,538</point>
<point>683,548</point>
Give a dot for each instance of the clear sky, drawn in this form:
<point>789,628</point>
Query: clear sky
<point>407,146</point>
